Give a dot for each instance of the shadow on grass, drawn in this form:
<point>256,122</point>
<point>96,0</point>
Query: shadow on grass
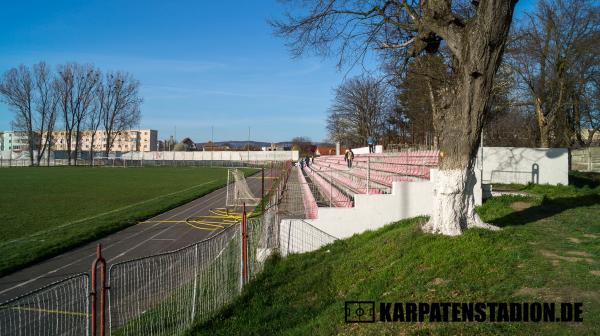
<point>582,179</point>
<point>548,208</point>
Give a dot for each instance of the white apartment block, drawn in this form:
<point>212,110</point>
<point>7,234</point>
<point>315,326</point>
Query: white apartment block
<point>142,140</point>
<point>16,141</point>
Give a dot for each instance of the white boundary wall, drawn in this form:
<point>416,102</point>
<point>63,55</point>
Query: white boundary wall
<point>365,150</point>
<point>525,165</point>
<point>216,155</point>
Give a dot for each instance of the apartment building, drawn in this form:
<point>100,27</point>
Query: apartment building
<point>141,140</point>
<point>16,141</point>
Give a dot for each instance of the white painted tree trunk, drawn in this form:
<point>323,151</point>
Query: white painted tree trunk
<point>454,203</point>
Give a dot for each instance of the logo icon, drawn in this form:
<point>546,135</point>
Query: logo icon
<point>360,311</point>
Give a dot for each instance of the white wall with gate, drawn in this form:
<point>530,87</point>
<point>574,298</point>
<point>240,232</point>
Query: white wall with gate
<point>525,165</point>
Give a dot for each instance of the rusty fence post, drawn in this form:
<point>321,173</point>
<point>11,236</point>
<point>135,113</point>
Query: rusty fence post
<point>244,246</point>
<point>262,188</point>
<point>98,295</point>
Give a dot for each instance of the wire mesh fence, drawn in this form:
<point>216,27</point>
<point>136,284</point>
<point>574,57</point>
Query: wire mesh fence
<point>299,236</point>
<point>61,308</point>
<point>163,294</point>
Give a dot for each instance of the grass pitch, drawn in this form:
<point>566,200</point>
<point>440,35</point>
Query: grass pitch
<point>44,211</point>
<point>547,251</point>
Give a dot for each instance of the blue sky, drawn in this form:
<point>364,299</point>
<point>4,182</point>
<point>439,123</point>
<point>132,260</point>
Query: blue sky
<point>201,64</point>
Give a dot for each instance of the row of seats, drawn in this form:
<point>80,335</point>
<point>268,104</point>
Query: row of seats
<point>381,170</point>
<point>356,186</point>
<point>384,180</point>
<point>336,197</point>
<point>420,158</point>
<point>310,204</point>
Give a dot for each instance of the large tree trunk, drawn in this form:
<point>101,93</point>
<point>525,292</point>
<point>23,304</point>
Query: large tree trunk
<point>460,114</point>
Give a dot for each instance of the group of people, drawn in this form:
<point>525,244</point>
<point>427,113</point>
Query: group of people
<point>306,161</point>
<point>348,156</point>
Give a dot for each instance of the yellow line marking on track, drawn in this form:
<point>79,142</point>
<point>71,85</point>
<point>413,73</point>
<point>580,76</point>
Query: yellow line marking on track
<point>215,224</point>
<point>200,228</point>
<point>162,221</point>
<point>217,219</point>
<point>51,311</point>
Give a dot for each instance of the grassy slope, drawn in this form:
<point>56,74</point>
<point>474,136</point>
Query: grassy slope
<point>546,252</point>
<point>35,204</point>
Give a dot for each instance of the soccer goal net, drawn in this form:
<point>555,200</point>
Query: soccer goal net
<point>238,192</point>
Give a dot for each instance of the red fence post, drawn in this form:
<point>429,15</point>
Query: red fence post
<point>94,294</point>
<point>262,188</point>
<point>244,246</point>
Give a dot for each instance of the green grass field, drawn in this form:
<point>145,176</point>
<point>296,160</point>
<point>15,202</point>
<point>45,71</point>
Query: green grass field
<point>548,250</point>
<point>44,211</point>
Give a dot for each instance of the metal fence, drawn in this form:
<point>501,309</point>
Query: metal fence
<point>165,294</point>
<point>61,308</point>
<point>586,159</point>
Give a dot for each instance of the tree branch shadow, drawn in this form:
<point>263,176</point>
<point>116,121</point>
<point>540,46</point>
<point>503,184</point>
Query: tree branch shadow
<point>548,208</point>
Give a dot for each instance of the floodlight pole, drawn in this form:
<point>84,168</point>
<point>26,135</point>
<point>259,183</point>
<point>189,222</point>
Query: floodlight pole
<point>248,145</point>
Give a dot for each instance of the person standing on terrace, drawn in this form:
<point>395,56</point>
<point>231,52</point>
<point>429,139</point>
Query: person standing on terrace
<point>371,143</point>
<point>350,157</point>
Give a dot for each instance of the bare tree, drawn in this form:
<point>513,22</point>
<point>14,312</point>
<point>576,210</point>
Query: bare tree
<point>17,90</point>
<point>556,54</point>
<point>94,119</point>
<point>45,108</point>
<point>474,32</point>
<point>75,87</point>
<point>303,145</point>
<point>416,96</point>
<point>358,111</point>
<point>120,106</point>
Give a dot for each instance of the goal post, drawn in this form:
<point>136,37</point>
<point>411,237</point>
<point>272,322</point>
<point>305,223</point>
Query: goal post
<point>238,192</point>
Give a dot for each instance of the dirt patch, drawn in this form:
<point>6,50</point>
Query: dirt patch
<point>518,206</point>
<point>574,240</point>
<point>597,273</point>
<point>589,235</point>
<point>555,256</point>
<point>558,294</point>
<point>579,253</point>
<point>438,282</point>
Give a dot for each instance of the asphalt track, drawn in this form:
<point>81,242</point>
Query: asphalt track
<point>166,232</point>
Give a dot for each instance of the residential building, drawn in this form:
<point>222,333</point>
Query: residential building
<point>143,140</point>
<point>16,141</point>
